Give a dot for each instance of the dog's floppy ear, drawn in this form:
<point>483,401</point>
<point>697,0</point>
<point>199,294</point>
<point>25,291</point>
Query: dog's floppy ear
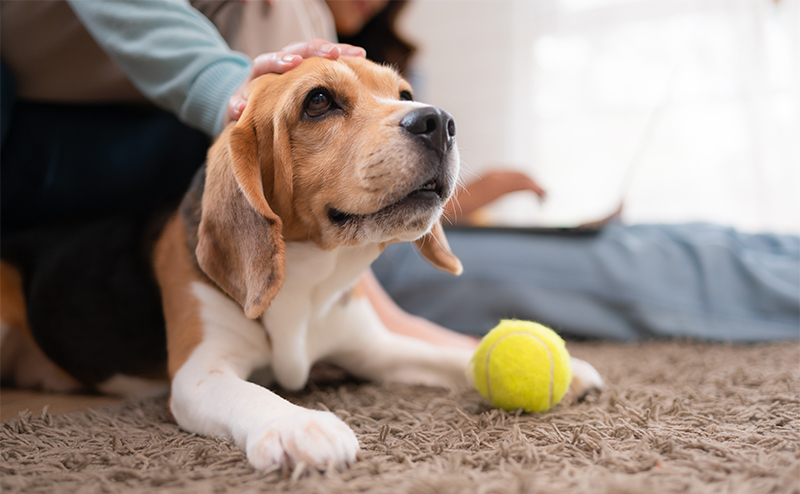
<point>433,245</point>
<point>240,242</point>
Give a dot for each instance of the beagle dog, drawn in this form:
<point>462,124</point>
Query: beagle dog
<point>256,268</point>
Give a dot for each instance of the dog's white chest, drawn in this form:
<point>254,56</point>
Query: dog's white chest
<point>304,319</point>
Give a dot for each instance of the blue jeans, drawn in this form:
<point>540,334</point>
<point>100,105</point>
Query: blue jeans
<point>68,163</point>
<point>627,283</point>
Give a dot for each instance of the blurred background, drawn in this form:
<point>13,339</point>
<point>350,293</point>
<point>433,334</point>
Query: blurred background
<point>686,110</point>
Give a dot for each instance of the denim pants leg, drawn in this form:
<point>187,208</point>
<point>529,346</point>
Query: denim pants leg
<point>627,283</point>
<point>77,162</point>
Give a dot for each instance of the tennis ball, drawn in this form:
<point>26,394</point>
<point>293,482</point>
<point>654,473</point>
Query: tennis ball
<point>522,364</point>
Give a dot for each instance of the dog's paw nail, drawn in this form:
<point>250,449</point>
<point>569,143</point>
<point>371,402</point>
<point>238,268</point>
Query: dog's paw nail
<point>585,380</point>
<point>317,439</point>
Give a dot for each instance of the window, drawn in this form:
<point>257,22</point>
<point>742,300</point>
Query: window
<point>686,109</point>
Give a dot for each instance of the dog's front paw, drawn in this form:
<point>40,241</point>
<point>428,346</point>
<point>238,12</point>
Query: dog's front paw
<point>318,439</point>
<point>585,380</point>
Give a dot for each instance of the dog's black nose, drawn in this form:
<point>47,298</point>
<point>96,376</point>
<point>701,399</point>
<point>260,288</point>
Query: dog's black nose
<point>436,128</point>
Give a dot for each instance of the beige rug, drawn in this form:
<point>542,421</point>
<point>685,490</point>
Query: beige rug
<point>676,417</point>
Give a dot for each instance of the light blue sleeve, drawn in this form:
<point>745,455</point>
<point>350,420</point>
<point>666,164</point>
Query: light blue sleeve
<point>171,52</point>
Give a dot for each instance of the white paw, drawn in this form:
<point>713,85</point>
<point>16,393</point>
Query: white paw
<point>585,379</point>
<point>318,439</point>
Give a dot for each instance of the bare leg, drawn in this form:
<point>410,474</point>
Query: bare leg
<point>400,322</point>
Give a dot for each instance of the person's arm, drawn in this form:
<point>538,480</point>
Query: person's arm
<point>487,189</point>
<point>171,53</point>
<point>495,185</point>
<point>176,57</point>
<point>398,321</point>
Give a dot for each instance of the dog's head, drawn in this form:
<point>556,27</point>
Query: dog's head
<point>332,152</point>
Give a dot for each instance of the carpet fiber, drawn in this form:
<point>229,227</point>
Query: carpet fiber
<point>675,417</point>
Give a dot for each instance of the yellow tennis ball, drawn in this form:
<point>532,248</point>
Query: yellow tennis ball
<point>522,364</point>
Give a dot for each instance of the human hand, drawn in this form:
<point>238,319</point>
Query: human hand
<point>615,217</point>
<point>490,187</point>
<point>282,61</point>
<point>498,183</point>
<point>266,2</point>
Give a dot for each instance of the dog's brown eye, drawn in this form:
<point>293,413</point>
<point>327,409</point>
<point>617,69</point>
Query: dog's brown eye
<point>318,103</point>
<point>406,96</point>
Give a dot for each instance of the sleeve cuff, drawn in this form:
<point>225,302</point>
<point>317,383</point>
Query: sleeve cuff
<point>207,98</point>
